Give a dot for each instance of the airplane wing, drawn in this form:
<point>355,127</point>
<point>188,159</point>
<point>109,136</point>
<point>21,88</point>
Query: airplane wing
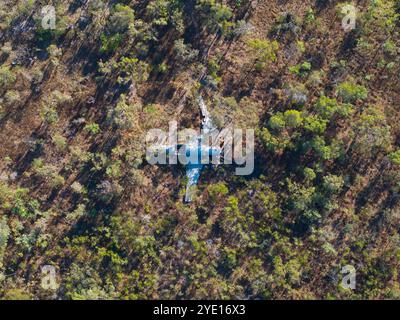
<point>193,174</point>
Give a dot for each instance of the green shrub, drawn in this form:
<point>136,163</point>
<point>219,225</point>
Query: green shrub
<point>315,124</point>
<point>17,294</point>
<point>7,78</point>
<point>184,52</point>
<point>327,108</point>
<point>159,12</point>
<point>49,114</point>
<point>372,133</point>
<point>217,190</point>
<point>60,142</point>
<point>22,206</point>
<point>309,174</point>
<point>47,172</point>
<point>263,51</point>
<point>61,99</point>
<point>79,212</point>
<point>162,68</point>
<point>132,69</point>
<point>4,235</point>
<point>277,122</point>
<point>92,128</point>
<point>121,18</point>
<point>213,69</point>
<point>109,44</point>
<point>301,69</point>
<point>55,54</point>
<point>12,98</point>
<point>394,157</point>
<point>293,118</point>
<point>124,114</point>
<point>215,15</point>
<point>333,184</point>
<point>350,92</point>
<point>6,49</point>
<point>271,142</point>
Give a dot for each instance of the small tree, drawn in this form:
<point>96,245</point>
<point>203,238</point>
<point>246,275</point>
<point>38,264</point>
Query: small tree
<point>263,51</point>
<point>7,78</point>
<point>121,19</point>
<point>333,184</point>
<point>293,118</point>
<point>184,53</point>
<point>372,133</point>
<point>215,15</point>
<point>350,92</point>
<point>4,235</point>
<point>123,115</point>
<point>394,157</point>
<point>327,108</point>
<point>60,142</point>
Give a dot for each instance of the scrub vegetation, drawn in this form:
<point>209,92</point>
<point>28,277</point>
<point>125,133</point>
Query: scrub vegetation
<point>76,191</point>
